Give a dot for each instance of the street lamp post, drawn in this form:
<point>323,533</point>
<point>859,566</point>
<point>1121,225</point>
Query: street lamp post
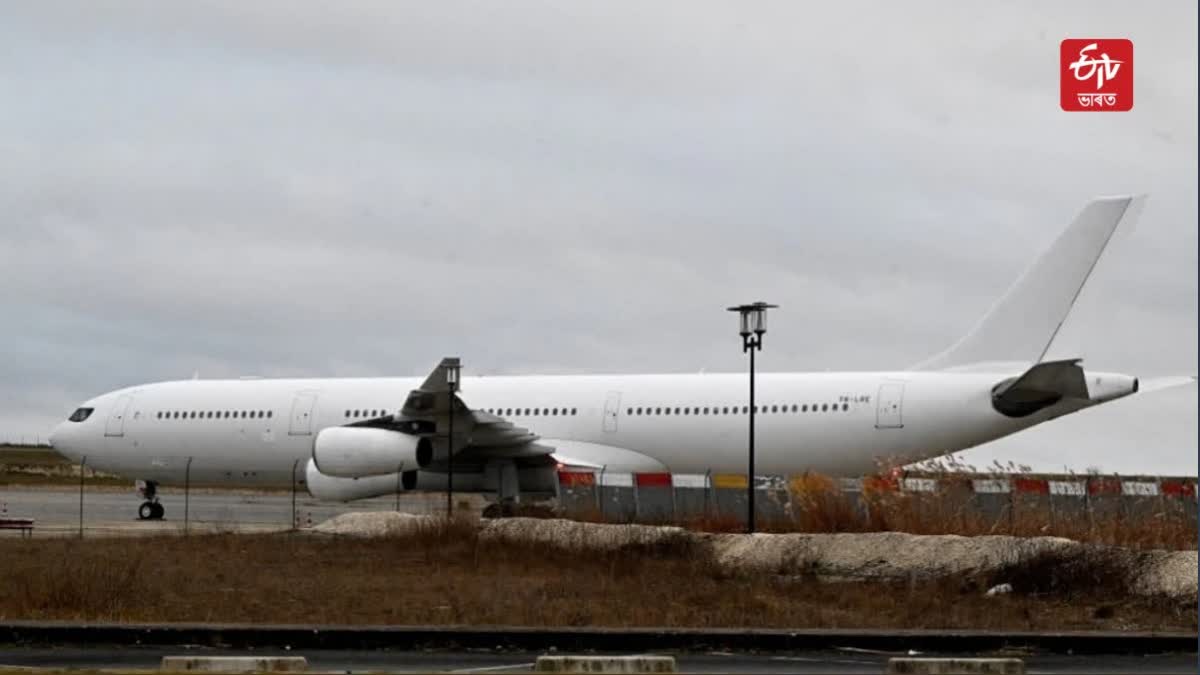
<point>452,372</point>
<point>753,325</point>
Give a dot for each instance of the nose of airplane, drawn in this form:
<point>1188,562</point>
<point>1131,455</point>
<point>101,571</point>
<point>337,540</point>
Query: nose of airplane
<point>55,437</point>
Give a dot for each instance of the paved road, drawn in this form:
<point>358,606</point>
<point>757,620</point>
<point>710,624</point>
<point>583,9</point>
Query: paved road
<point>56,510</point>
<point>487,661</point>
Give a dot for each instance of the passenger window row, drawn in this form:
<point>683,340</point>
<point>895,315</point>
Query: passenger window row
<point>365,414</point>
<point>545,412</point>
<point>213,414</point>
<point>734,410</point>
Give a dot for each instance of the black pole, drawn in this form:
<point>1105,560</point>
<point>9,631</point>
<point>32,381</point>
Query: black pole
<point>750,476</point>
<point>399,483</point>
<point>187,490</point>
<point>450,459</point>
<point>295,522</point>
<point>82,469</point>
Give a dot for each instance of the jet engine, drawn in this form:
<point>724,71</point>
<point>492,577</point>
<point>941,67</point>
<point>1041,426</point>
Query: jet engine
<point>353,452</point>
<point>337,489</point>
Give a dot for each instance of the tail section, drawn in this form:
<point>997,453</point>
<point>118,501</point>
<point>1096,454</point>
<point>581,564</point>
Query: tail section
<point>1021,326</point>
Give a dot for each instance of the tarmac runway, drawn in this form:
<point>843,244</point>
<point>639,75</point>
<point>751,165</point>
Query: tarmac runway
<point>114,511</point>
<point>843,662</point>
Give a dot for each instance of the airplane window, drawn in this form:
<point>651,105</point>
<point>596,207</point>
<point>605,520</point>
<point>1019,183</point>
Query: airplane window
<point>159,415</point>
<point>774,408</point>
<point>347,413</point>
<point>573,410</point>
<point>685,411</point>
<point>845,407</point>
<point>677,411</point>
<point>824,407</point>
<point>795,408</point>
<point>81,414</point>
<point>666,411</point>
<point>706,411</point>
<point>804,408</point>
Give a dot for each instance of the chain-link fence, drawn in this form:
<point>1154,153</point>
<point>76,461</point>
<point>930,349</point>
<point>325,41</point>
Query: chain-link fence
<point>1139,510</point>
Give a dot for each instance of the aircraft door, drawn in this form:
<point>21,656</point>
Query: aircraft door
<point>890,406</point>
<point>612,409</point>
<point>302,415</point>
<point>115,426</point>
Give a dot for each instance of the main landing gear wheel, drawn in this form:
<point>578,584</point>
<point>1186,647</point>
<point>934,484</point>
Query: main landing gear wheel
<point>151,511</point>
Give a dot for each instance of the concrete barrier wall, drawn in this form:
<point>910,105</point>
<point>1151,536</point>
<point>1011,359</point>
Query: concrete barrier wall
<point>996,503</point>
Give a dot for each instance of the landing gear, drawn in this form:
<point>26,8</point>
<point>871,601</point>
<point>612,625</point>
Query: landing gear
<point>150,509</point>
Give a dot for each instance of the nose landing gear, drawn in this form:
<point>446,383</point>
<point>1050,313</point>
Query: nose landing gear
<point>150,509</point>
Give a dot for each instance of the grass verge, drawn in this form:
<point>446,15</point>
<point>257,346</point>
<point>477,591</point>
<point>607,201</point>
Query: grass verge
<point>441,574</point>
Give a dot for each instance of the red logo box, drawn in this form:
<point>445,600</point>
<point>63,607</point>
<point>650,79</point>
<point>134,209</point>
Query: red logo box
<point>1096,75</point>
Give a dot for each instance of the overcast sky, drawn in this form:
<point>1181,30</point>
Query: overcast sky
<point>361,188</point>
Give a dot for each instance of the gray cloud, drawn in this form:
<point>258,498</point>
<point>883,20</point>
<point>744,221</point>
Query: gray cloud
<point>284,189</point>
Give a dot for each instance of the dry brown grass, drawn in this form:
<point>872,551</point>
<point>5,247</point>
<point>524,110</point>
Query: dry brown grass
<point>441,574</point>
<point>819,506</point>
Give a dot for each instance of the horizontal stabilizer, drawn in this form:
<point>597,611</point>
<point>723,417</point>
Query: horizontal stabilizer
<point>1039,387</point>
<point>1165,382</point>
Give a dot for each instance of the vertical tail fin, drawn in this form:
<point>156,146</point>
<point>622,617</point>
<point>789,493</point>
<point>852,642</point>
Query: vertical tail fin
<point>1022,324</point>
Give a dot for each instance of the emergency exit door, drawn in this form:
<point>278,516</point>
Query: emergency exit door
<point>115,425</point>
<point>612,410</point>
<point>302,415</point>
<point>889,406</point>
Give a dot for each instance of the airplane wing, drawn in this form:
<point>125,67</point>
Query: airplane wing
<point>480,436</point>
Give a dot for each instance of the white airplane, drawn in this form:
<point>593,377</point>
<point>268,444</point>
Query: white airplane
<point>358,438</point>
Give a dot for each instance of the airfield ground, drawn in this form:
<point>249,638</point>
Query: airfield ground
<point>242,565</point>
<point>445,574</point>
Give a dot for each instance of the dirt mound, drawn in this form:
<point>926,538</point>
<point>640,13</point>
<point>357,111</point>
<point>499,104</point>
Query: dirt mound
<point>1031,564</point>
<point>374,524</point>
<point>877,555</point>
<point>582,537</point>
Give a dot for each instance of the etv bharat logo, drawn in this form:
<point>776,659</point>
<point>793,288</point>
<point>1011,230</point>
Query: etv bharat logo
<point>1096,75</point>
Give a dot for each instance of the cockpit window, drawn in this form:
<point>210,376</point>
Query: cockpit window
<point>81,414</point>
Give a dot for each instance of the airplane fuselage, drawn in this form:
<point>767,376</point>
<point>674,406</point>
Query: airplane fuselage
<point>261,430</point>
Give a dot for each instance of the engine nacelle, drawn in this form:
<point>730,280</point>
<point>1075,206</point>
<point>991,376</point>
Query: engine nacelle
<point>353,452</point>
<point>337,489</point>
